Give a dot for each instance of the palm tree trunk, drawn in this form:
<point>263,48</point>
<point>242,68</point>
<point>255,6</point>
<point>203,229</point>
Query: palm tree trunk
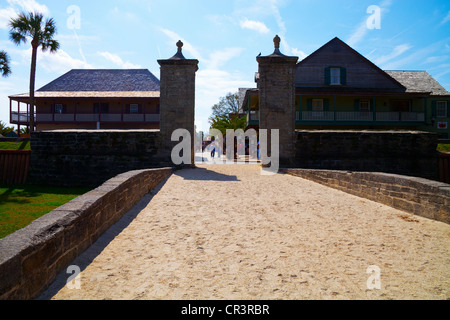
<point>32,84</point>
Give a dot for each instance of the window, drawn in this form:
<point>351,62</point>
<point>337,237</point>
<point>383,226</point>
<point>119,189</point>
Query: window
<point>317,105</point>
<point>134,108</point>
<point>104,106</point>
<point>335,76</point>
<point>364,106</point>
<point>441,109</point>
<point>59,108</point>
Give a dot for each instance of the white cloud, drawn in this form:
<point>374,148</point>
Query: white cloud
<point>398,51</point>
<point>20,5</point>
<point>114,58</point>
<point>255,26</point>
<point>5,17</point>
<point>415,57</point>
<point>446,19</point>
<point>30,6</point>
<point>358,34</point>
<point>58,62</point>
<point>299,53</point>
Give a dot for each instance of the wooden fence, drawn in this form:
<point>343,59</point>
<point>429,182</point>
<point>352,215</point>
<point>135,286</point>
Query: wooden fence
<point>14,166</point>
<point>444,167</point>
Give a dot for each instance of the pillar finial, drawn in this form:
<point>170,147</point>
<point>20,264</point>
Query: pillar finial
<point>180,45</point>
<point>179,54</point>
<point>277,41</point>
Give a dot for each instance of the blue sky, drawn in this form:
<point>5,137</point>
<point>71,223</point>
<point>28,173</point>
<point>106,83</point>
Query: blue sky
<point>225,36</point>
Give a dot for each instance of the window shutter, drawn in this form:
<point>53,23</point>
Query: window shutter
<point>343,76</point>
<point>328,75</point>
<point>433,108</point>
<point>326,105</point>
<point>64,108</point>
<point>309,104</point>
<point>357,105</point>
<point>140,108</point>
<point>448,110</point>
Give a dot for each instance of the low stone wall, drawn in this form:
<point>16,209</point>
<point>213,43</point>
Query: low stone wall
<point>90,157</point>
<point>31,258</point>
<point>410,153</point>
<point>422,197</point>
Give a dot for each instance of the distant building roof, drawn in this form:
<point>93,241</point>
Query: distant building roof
<point>418,81</point>
<point>108,80</point>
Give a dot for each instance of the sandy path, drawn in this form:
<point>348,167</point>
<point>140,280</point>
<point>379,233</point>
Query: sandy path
<point>228,232</point>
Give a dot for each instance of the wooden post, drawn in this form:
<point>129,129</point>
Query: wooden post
<point>53,110</point>
<point>335,109</point>
<point>374,102</point>
<point>75,110</point>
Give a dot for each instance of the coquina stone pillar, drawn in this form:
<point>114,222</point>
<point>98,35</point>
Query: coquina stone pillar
<point>177,100</point>
<point>276,86</point>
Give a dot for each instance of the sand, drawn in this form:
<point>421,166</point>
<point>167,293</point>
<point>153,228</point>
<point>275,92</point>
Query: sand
<point>228,232</point>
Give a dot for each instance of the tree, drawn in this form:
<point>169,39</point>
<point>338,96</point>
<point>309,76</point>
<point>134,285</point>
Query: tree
<point>31,25</point>
<point>227,105</point>
<point>5,70</point>
<point>225,114</point>
<point>4,130</point>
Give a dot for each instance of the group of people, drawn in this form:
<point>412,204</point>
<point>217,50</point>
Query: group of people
<point>215,148</point>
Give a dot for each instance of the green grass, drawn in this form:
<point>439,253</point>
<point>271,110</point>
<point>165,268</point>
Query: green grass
<point>25,145</point>
<point>20,205</point>
<point>444,147</point>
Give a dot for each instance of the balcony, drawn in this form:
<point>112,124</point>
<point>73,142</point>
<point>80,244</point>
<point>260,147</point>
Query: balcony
<point>348,118</point>
<point>23,118</point>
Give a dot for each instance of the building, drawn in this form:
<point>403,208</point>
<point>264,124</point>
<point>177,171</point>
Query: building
<point>93,99</point>
<point>338,88</point>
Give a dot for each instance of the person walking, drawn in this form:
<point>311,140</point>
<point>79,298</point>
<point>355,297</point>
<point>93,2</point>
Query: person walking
<point>213,150</point>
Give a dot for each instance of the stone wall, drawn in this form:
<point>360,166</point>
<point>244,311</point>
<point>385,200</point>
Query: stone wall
<point>90,157</point>
<point>31,258</point>
<point>409,153</point>
<point>422,197</point>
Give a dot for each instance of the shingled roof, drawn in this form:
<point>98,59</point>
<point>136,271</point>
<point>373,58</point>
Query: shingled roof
<point>418,81</point>
<point>108,80</point>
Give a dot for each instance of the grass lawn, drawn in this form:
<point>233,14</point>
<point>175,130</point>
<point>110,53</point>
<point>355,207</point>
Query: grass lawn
<point>20,205</point>
<point>25,145</point>
<point>444,147</point>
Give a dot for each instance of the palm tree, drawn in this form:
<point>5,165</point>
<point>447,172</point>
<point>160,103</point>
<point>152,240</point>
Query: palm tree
<point>5,70</point>
<point>32,26</point>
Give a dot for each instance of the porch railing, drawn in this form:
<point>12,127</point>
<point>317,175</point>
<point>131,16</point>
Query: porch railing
<point>360,116</point>
<point>24,118</point>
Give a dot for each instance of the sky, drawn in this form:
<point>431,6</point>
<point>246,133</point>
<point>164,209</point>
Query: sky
<point>225,36</point>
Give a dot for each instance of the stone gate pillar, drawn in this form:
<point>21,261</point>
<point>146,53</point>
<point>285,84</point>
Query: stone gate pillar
<point>276,86</point>
<point>177,100</point>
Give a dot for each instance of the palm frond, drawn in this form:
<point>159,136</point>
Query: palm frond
<point>5,69</point>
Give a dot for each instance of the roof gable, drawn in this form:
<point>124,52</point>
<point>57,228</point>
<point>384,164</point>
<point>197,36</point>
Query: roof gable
<point>111,80</point>
<point>361,73</point>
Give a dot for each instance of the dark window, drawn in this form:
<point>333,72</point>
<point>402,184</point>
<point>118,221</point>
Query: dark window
<point>104,107</point>
<point>401,106</point>
<point>59,108</point>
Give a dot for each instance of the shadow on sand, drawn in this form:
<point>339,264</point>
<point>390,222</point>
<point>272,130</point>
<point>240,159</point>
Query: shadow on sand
<point>203,174</point>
